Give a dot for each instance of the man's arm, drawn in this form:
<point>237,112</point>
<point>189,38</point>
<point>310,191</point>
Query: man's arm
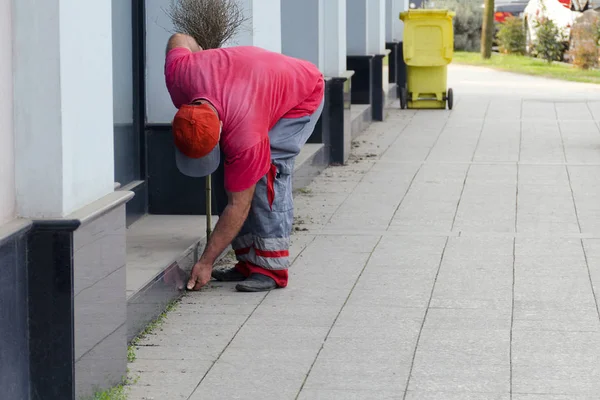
<point>183,41</point>
<point>228,226</point>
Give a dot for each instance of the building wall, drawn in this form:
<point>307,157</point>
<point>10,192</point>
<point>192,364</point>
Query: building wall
<point>394,30</point>
<point>63,105</point>
<point>302,33</point>
<point>88,161</point>
<point>159,107</point>
<point>266,19</point>
<point>7,160</point>
<point>357,26</point>
<point>334,37</point>
<point>376,15</point>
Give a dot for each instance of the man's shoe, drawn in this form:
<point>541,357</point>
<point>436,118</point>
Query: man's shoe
<point>256,283</point>
<point>228,275</point>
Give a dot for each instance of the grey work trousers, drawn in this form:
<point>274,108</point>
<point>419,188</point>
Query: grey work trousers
<point>264,239</point>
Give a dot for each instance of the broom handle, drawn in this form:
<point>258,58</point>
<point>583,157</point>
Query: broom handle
<point>208,206</point>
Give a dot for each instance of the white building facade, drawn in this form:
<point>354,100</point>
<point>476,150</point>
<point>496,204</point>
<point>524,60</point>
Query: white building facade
<point>86,156</point>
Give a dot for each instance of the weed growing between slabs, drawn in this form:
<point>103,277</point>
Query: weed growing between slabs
<point>120,391</point>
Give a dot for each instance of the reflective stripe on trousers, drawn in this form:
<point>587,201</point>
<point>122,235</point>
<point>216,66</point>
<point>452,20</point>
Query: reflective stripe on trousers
<point>264,240</point>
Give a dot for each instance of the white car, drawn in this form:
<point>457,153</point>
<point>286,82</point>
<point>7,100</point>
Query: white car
<point>562,12</point>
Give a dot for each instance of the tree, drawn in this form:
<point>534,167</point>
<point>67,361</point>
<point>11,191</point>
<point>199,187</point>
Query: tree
<point>487,32</point>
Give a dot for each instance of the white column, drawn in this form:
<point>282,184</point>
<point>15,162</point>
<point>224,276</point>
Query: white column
<point>394,30</point>
<point>376,27</point>
<point>302,30</point>
<point>263,29</point>
<point>159,107</point>
<point>357,26</point>
<point>7,155</point>
<point>63,105</point>
<point>334,37</point>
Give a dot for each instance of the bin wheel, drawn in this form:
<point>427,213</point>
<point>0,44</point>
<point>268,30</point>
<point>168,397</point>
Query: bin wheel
<point>450,99</point>
<point>403,98</point>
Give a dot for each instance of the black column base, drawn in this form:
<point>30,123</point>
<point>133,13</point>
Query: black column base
<point>37,319</point>
<point>169,191</point>
<point>321,134</point>
<point>400,69</point>
<point>340,134</point>
<point>378,97</point>
<point>51,310</point>
<point>15,379</point>
<point>393,60</point>
<point>362,81</point>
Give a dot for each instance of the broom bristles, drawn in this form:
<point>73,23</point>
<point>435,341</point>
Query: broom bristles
<point>210,22</point>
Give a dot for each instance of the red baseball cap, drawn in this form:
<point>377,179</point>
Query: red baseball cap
<point>196,133</point>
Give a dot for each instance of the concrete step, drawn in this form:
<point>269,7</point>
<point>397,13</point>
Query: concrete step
<point>309,163</point>
<point>161,250</point>
<point>392,94</point>
<point>361,118</point>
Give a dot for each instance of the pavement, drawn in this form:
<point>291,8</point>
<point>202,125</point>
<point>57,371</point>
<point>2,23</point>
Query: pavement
<point>455,257</point>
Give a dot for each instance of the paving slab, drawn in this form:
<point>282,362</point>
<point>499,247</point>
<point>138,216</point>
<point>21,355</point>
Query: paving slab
<point>456,256</point>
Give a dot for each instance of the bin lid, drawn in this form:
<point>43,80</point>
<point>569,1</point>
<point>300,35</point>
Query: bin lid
<point>428,37</point>
<point>426,14</point>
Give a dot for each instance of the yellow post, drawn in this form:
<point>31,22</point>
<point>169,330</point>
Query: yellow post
<point>487,31</point>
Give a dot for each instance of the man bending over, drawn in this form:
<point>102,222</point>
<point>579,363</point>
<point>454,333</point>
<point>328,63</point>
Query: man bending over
<point>243,115</point>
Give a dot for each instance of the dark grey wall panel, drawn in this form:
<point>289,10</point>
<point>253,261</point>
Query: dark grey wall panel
<point>50,307</point>
<point>14,355</point>
<point>100,303</point>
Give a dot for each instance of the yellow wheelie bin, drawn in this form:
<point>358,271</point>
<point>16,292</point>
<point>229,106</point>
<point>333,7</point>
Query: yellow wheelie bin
<point>428,49</point>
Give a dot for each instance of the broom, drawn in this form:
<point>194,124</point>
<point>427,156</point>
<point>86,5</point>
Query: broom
<point>211,23</point>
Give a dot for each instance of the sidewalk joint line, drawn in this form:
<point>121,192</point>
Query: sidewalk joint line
<point>520,133</point>
<point>517,203</point>
<point>412,181</point>
<point>464,184</point>
<point>587,264</point>
<point>436,141</point>
<point>243,324</point>
<point>518,170</point>
<point>347,196</point>
<point>483,121</point>
<point>462,192</point>
<point>369,170</point>
<point>337,317</point>
<point>512,317</point>
<point>562,139</point>
<point>414,356</point>
<point>226,347</point>
<point>587,104</point>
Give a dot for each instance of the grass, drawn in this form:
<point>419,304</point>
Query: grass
<point>119,392</point>
<point>151,327</point>
<point>304,190</point>
<point>529,66</point>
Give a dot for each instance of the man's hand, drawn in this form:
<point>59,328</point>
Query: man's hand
<point>200,276</point>
<point>228,226</point>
